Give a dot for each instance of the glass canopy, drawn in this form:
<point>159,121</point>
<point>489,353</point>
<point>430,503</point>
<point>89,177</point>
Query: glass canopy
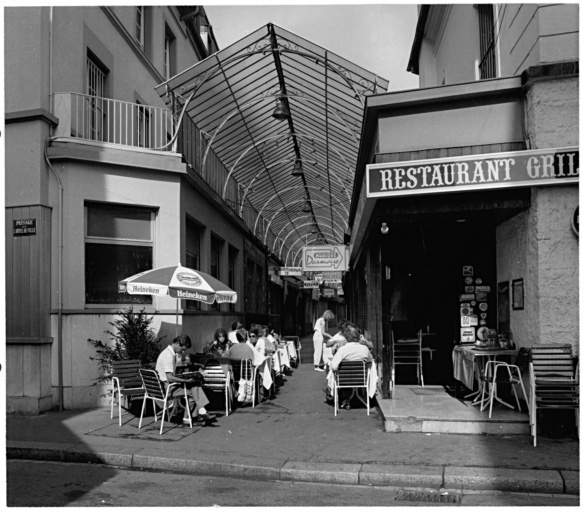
<point>295,171</point>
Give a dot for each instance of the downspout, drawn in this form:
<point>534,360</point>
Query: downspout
<point>60,222</point>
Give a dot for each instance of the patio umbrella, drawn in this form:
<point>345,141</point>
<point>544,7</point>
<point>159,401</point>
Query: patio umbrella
<point>181,283</point>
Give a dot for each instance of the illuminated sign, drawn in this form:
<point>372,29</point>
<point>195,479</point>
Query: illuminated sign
<point>479,172</point>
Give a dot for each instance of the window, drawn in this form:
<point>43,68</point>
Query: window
<point>119,243</point>
<point>487,41</point>
<point>216,263</point>
<point>193,236</point>
<point>95,113</point>
<point>231,271</point>
<point>140,25</point>
<point>169,54</point>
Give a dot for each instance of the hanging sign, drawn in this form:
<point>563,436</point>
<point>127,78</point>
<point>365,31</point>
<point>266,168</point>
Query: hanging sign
<point>325,258</point>
<point>290,271</point>
<point>328,292</point>
<point>332,276</point>
<point>489,171</point>
<point>24,227</point>
<point>311,284</point>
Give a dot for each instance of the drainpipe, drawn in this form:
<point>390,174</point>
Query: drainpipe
<point>60,222</point>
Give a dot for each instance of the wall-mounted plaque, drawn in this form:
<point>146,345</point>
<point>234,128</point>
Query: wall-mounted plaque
<point>468,334</point>
<point>468,270</point>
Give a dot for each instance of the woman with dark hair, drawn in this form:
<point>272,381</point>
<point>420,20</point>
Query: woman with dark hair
<point>219,345</point>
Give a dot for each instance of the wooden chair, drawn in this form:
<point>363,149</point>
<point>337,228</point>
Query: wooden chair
<point>154,390</point>
<point>351,374</point>
<point>125,382</point>
<point>408,352</point>
<point>554,381</point>
<point>216,380</point>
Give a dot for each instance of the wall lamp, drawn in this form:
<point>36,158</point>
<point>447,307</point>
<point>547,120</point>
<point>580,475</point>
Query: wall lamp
<point>384,228</point>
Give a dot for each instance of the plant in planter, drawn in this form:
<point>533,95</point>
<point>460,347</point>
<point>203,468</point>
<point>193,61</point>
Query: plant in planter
<point>133,338</point>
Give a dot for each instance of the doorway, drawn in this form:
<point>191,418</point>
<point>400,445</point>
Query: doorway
<point>430,262</point>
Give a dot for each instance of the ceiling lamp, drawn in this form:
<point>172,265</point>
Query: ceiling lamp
<point>314,229</point>
<point>281,112</point>
<point>306,208</point>
<point>297,170</point>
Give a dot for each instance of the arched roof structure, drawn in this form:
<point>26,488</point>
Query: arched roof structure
<point>231,96</point>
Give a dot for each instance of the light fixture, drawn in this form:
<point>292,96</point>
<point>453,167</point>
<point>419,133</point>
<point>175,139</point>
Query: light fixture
<point>281,112</point>
<point>314,229</point>
<point>297,170</point>
<point>384,228</point>
<point>306,208</point>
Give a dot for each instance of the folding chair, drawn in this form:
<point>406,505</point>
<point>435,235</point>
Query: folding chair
<point>154,390</point>
<point>351,374</point>
<point>408,352</point>
<point>554,381</point>
<point>216,379</point>
<point>125,382</point>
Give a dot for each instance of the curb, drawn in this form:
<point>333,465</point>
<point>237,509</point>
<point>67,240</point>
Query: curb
<point>394,475</point>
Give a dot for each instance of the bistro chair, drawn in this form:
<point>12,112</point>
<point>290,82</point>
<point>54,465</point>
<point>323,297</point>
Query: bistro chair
<point>554,381</point>
<point>408,352</point>
<point>244,369</point>
<point>217,380</point>
<point>297,346</point>
<point>351,374</point>
<point>154,390</point>
<point>499,372</point>
<point>125,383</point>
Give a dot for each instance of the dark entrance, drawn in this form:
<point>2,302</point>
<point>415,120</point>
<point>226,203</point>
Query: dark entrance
<point>426,257</point>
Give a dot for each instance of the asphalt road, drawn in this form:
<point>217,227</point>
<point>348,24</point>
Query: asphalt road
<point>52,484</point>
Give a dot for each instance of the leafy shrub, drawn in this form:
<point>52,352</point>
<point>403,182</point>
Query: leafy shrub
<point>133,339</point>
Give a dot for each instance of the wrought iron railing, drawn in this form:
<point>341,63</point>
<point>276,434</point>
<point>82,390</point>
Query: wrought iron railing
<point>112,121</point>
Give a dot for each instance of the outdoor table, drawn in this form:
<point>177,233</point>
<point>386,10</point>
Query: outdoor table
<point>470,361</point>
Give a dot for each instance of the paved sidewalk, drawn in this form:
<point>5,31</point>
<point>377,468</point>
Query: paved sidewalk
<point>297,437</point>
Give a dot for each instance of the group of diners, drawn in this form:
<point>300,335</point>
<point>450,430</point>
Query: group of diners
<point>348,344</point>
<point>257,343</point>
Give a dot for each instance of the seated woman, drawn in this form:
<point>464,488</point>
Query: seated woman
<point>219,345</point>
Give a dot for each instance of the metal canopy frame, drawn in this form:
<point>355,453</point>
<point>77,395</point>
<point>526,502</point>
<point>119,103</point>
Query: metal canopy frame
<point>231,95</point>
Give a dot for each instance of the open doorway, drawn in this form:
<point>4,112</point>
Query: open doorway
<point>430,263</point>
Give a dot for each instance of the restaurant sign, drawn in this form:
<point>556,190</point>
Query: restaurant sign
<point>477,172</point>
<point>326,258</point>
<point>311,284</point>
<point>290,271</point>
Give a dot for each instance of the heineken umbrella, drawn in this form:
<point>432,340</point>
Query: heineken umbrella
<point>181,283</point>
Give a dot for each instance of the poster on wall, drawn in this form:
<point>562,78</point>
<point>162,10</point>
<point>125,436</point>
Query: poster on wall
<point>468,334</point>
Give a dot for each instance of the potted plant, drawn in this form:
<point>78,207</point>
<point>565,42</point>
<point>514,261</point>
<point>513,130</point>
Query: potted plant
<point>132,338</point>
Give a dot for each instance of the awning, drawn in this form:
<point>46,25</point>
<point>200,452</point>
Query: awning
<point>231,96</point>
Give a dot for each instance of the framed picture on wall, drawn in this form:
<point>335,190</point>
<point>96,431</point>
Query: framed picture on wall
<point>518,294</point>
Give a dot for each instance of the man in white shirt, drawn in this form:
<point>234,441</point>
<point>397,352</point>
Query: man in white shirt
<point>166,369</point>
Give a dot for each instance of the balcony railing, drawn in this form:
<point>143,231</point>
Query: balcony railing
<point>113,121</point>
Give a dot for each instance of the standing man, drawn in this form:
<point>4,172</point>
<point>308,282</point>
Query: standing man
<point>166,369</point>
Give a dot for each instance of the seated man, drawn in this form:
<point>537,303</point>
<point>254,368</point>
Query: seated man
<point>353,350</point>
<point>166,369</point>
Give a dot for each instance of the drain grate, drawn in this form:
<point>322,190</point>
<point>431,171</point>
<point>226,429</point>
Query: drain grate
<point>428,496</point>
